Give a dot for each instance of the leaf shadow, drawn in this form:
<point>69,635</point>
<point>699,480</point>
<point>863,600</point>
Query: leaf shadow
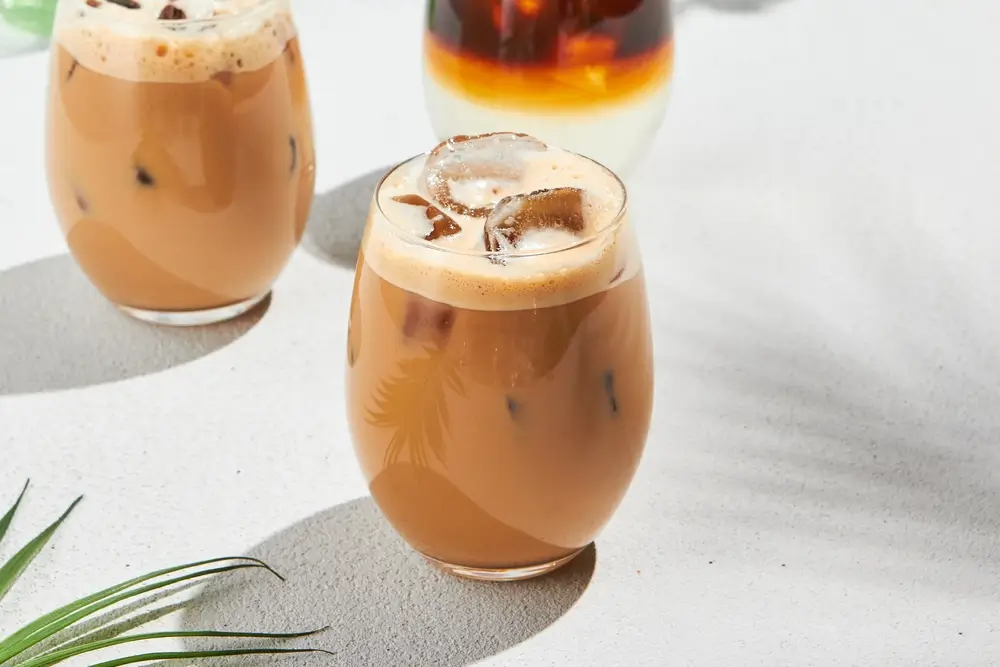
<point>851,430</point>
<point>413,403</point>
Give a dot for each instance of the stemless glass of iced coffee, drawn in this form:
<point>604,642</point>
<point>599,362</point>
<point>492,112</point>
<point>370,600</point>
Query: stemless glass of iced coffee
<point>180,151</point>
<point>591,76</point>
<point>500,381</point>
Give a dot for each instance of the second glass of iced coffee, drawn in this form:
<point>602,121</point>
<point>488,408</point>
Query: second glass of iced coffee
<point>180,151</point>
<point>500,379</point>
<point>592,76</point>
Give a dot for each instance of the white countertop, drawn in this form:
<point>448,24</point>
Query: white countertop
<point>819,217</point>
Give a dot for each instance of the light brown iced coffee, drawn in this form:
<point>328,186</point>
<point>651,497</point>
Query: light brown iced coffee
<point>180,150</point>
<point>500,378</point>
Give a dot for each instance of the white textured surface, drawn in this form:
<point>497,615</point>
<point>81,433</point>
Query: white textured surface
<point>822,484</point>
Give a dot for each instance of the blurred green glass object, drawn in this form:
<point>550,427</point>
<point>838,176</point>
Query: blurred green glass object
<point>34,17</point>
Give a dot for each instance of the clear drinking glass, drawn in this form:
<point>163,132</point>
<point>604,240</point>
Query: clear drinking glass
<point>591,76</point>
<point>499,405</point>
<point>180,152</point>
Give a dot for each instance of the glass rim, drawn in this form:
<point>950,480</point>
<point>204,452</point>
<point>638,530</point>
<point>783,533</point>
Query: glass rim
<point>175,24</point>
<point>415,239</point>
<point>251,8</point>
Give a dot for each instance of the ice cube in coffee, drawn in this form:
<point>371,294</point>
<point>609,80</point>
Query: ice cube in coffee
<point>499,355</point>
<point>591,76</point>
<point>180,150</point>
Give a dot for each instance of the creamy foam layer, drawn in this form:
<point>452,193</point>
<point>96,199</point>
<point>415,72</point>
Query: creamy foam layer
<point>137,45</point>
<point>550,268</point>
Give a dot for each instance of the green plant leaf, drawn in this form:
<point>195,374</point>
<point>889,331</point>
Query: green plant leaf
<point>32,16</point>
<point>55,615</point>
<point>13,568</point>
<point>51,624</point>
<point>57,656</point>
<point>9,516</point>
<point>65,616</point>
<point>187,655</point>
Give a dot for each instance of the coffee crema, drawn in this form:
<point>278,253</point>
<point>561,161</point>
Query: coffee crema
<point>499,392</point>
<point>550,267</point>
<point>180,154</point>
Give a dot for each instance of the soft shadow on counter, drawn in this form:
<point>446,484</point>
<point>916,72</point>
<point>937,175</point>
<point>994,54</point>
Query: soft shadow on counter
<point>57,332</point>
<point>346,568</point>
<point>337,221</point>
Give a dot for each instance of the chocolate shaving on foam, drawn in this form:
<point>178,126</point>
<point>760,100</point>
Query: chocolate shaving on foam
<point>556,208</point>
<point>411,200</point>
<point>172,13</point>
<point>443,225</point>
<point>439,187</point>
<point>127,4</point>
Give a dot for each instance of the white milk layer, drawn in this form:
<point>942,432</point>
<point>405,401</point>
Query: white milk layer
<point>136,45</point>
<point>550,267</point>
<point>615,135</point>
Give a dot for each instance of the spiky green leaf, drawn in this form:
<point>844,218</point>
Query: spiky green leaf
<point>9,516</point>
<point>189,655</point>
<point>32,16</point>
<point>59,655</point>
<point>65,616</point>
<point>12,569</point>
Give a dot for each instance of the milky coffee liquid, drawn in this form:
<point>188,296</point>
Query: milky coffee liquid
<point>180,151</point>
<point>500,401</point>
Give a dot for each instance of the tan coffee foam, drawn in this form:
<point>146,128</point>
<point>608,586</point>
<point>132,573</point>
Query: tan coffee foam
<point>455,270</point>
<point>135,45</point>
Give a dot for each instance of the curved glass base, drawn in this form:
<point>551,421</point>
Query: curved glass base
<point>194,318</point>
<point>503,573</point>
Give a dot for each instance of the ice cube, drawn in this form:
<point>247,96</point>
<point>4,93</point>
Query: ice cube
<point>441,223</point>
<point>548,215</point>
<point>540,240</point>
<point>467,175</point>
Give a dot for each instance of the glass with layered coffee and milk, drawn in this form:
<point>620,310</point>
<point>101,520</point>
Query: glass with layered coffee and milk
<point>592,76</point>
<point>500,380</point>
<point>180,150</point>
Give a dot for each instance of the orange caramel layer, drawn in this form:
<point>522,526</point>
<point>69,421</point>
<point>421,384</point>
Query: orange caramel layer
<point>588,77</point>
